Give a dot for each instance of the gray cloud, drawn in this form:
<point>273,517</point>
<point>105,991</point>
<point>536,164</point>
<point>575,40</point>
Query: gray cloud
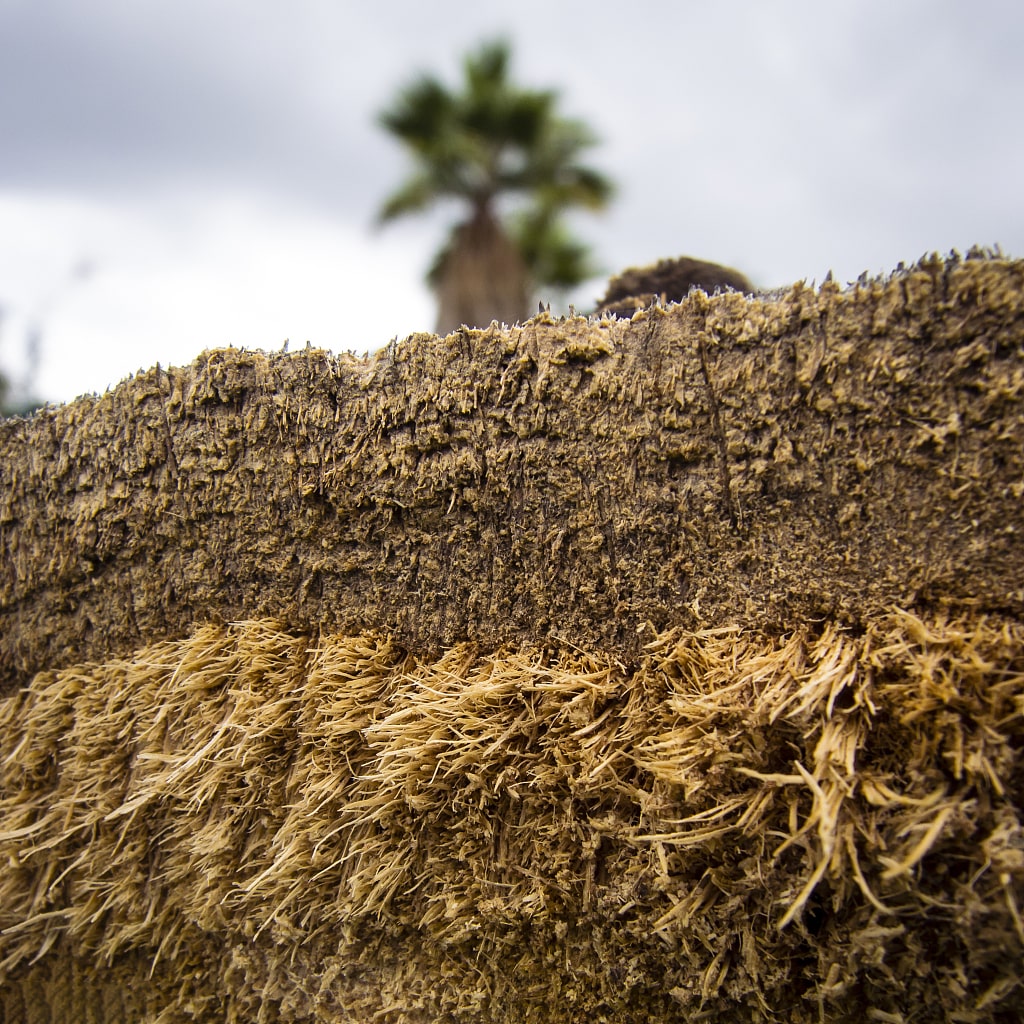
<point>104,98</point>
<point>773,135</point>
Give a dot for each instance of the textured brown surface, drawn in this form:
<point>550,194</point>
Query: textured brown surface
<point>255,824</point>
<point>763,461</point>
<point>480,277</point>
<point>690,765</point>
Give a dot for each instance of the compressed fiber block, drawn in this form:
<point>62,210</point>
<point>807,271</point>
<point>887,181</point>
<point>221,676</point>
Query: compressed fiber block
<point>617,670</point>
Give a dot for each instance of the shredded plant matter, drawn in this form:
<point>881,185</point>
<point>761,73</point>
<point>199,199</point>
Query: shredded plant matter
<point>590,670</point>
<point>261,824</point>
<point>816,454</point>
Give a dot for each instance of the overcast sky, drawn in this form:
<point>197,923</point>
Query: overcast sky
<point>185,174</point>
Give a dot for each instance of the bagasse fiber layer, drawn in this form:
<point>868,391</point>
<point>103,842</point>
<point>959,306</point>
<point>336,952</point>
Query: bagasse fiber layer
<point>726,460</point>
<point>649,670</point>
<point>254,824</point>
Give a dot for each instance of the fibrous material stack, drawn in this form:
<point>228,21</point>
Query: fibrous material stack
<point>658,669</point>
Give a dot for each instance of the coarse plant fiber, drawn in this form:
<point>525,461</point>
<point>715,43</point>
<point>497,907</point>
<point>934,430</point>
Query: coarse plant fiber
<point>763,461</point>
<point>258,824</point>
<point>653,669</point>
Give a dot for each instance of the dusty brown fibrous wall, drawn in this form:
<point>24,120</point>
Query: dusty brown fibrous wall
<point>627,671</point>
<point>767,461</point>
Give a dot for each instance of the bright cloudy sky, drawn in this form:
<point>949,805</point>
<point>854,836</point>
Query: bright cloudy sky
<point>184,174</point>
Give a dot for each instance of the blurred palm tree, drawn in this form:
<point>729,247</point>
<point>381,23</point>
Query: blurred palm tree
<point>490,140</point>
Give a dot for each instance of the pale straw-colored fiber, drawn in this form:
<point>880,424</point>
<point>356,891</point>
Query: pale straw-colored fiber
<point>740,827</point>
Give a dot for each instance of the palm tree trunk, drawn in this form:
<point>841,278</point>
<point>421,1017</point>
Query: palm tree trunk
<point>483,277</point>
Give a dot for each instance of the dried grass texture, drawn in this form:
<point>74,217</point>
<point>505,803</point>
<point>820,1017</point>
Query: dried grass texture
<point>257,824</point>
<point>762,461</point>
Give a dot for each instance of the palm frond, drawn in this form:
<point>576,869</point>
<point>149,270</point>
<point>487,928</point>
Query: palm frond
<point>487,69</point>
<point>414,196</point>
<point>553,256</point>
<point>422,113</point>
